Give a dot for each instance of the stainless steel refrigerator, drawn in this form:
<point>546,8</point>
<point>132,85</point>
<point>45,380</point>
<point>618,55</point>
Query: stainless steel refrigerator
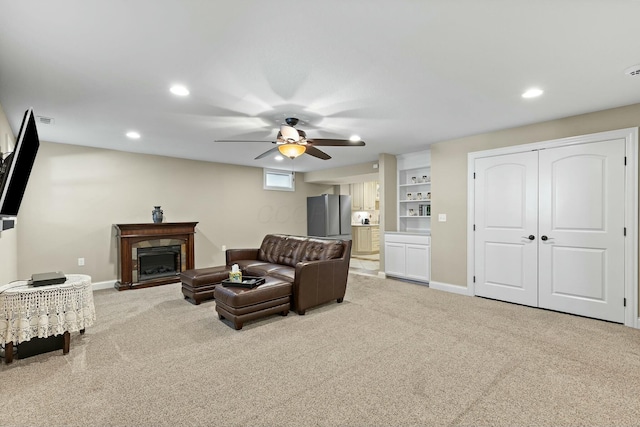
<point>329,215</point>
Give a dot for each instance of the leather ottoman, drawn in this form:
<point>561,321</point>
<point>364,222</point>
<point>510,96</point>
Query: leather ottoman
<point>242,304</point>
<point>198,284</point>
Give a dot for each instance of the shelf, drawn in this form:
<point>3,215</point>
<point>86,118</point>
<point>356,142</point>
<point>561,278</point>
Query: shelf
<point>415,216</point>
<point>417,200</point>
<point>417,184</point>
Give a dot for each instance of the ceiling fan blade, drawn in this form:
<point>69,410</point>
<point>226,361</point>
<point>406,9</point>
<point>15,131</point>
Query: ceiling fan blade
<point>289,133</point>
<point>316,153</point>
<point>267,153</point>
<point>241,140</point>
<point>335,142</point>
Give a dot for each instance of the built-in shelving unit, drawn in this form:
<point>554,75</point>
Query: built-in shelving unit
<point>407,251</point>
<point>414,199</point>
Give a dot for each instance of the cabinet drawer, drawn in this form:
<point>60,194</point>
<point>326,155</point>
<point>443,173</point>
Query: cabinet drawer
<point>418,239</point>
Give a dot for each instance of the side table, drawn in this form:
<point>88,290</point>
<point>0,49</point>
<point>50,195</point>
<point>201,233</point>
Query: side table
<point>28,312</point>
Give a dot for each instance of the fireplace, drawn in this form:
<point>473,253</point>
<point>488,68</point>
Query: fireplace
<point>153,254</point>
<point>158,261</point>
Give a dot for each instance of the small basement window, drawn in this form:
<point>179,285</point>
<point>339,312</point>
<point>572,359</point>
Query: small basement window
<point>279,180</point>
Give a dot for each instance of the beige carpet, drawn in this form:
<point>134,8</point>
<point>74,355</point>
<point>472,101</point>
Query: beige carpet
<point>393,354</point>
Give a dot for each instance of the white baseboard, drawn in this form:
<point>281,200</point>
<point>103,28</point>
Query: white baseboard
<point>447,287</point>
<point>109,284</point>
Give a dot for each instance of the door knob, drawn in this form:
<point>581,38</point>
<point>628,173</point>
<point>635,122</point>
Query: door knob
<point>530,237</point>
<point>544,238</point>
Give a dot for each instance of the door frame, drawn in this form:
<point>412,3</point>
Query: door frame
<point>630,136</point>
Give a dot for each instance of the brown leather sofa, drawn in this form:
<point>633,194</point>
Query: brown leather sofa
<point>317,268</point>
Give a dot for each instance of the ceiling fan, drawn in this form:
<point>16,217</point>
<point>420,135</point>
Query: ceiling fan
<point>292,142</point>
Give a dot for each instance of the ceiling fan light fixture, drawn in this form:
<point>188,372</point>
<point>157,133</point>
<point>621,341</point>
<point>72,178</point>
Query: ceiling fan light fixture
<point>291,150</point>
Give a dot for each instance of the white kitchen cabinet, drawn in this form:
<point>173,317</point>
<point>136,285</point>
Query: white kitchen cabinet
<point>395,259</point>
<point>375,239</point>
<point>407,256</point>
<point>357,197</point>
<point>417,263</point>
<point>370,192</point>
<point>366,239</point>
<point>364,196</point>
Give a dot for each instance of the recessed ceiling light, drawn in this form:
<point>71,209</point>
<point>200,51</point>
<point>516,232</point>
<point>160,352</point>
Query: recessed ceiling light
<point>354,138</point>
<point>133,135</point>
<point>279,158</point>
<point>532,93</point>
<point>179,90</point>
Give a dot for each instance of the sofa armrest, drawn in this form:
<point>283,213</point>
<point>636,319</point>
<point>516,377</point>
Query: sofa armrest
<point>317,282</point>
<point>233,255</point>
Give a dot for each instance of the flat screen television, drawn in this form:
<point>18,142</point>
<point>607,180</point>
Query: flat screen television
<point>16,167</point>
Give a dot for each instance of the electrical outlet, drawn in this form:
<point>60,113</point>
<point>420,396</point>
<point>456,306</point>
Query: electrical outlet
<point>80,262</point>
<point>442,217</point>
<point>224,248</point>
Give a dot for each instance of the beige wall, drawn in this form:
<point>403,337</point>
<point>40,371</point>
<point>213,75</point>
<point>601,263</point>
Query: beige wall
<point>8,238</point>
<point>388,197</point>
<point>75,194</point>
<point>388,194</point>
<point>449,179</point>
<point>362,172</point>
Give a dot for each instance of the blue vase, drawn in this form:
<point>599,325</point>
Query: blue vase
<point>156,214</point>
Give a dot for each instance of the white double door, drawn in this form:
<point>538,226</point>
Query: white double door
<point>550,228</point>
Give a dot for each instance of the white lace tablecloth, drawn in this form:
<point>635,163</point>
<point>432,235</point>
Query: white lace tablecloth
<point>28,312</point>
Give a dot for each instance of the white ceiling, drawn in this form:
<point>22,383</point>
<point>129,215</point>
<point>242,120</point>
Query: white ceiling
<point>402,74</point>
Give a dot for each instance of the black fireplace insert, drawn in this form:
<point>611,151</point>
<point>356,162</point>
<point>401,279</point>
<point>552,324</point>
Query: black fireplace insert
<point>158,261</point>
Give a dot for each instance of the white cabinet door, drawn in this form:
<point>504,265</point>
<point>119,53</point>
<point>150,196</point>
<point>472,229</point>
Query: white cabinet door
<point>355,239</point>
<point>375,239</point>
<point>362,239</point>
<point>369,195</point>
<point>417,262</point>
<point>506,214</point>
<point>408,256</point>
<point>357,197</point>
<point>394,259</point>
<point>582,229</point>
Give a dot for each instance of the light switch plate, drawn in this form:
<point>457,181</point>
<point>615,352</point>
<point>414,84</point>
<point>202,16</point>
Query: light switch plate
<point>442,217</point>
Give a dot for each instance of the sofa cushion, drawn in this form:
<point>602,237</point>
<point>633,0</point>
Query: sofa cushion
<point>262,269</point>
<point>247,264</point>
<point>316,250</point>
<point>285,273</point>
<point>270,247</point>
<point>291,250</point>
